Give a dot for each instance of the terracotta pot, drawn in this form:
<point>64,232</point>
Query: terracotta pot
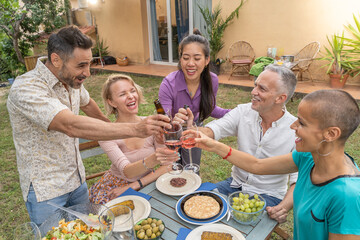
<point>338,80</point>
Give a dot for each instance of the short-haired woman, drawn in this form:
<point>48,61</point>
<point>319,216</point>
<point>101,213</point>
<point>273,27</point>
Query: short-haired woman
<point>327,192</point>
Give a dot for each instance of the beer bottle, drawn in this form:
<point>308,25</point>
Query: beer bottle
<point>159,107</point>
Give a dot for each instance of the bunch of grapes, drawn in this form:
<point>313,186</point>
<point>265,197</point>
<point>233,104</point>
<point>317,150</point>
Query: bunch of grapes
<point>243,203</point>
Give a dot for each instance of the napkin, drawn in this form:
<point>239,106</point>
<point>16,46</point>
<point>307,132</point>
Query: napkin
<point>183,232</point>
<point>208,186</point>
<point>131,191</point>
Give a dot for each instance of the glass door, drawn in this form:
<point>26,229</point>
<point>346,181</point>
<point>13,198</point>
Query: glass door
<point>169,22</point>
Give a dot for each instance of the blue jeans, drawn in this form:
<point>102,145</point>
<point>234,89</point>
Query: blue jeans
<point>40,211</point>
<point>224,188</point>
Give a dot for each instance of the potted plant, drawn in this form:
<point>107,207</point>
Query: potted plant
<point>216,26</point>
<point>341,63</point>
<point>353,44</point>
<point>100,50</point>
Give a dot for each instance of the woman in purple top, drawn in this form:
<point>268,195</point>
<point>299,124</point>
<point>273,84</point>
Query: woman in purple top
<point>193,85</point>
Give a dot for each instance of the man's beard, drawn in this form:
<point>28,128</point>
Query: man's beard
<point>68,79</point>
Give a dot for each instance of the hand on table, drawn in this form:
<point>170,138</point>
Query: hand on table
<point>277,213</point>
<point>117,192</point>
<point>166,156</point>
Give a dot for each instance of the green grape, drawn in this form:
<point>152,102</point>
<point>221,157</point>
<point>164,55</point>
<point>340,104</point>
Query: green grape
<point>248,210</point>
<point>246,195</point>
<point>256,196</point>
<point>257,204</point>
<point>251,204</point>
<point>236,199</point>
<point>253,209</point>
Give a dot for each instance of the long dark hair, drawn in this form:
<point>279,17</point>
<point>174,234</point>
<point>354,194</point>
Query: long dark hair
<point>207,102</point>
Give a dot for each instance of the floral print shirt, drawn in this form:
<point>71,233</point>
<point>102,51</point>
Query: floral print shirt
<point>47,159</point>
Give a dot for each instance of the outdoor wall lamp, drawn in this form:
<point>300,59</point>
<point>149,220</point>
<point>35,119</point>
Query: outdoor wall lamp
<point>94,2</point>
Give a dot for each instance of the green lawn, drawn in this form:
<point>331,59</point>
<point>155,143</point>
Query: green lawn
<point>213,168</point>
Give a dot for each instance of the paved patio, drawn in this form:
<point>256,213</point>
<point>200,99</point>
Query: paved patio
<point>303,87</point>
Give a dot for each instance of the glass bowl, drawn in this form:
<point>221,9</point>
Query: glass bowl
<point>144,226</point>
<point>106,218</point>
<point>246,207</point>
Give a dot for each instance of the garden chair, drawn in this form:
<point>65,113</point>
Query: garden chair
<point>304,58</point>
<point>240,55</point>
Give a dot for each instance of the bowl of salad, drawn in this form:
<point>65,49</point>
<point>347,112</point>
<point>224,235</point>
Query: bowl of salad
<point>64,225</point>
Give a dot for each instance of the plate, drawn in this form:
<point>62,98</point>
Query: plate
<point>193,182</point>
<point>142,209</point>
<point>187,219</point>
<point>196,233</point>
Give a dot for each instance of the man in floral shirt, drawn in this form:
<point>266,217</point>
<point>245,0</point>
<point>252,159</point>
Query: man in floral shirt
<point>44,105</point>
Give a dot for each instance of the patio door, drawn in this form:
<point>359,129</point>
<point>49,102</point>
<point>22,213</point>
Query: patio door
<point>169,22</point>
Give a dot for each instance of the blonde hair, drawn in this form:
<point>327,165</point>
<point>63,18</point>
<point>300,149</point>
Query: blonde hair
<point>106,93</point>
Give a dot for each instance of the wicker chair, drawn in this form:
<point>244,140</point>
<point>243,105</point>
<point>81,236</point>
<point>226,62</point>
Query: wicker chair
<point>240,55</point>
<point>304,58</point>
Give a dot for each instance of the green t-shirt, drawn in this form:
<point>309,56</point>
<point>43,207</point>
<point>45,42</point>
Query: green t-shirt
<point>332,206</point>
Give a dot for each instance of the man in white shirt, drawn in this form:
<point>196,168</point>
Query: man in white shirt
<point>263,130</point>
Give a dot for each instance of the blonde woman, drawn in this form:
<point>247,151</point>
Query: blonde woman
<point>133,159</point>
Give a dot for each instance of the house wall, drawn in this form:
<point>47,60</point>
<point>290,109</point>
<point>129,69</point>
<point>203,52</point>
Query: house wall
<point>288,25</point>
<point>123,27</point>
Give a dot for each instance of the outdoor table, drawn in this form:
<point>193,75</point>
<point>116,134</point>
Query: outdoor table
<point>163,207</point>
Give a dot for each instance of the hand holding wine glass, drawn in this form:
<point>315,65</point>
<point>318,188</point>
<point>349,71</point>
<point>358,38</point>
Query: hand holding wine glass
<point>172,138</point>
<point>188,142</point>
<point>166,156</point>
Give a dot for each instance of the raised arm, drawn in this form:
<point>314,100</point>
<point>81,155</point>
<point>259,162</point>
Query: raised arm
<point>93,110</point>
<point>274,165</point>
<point>133,170</point>
<point>90,128</point>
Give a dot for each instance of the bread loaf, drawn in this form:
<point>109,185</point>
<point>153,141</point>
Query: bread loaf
<point>119,209</point>
<point>215,236</point>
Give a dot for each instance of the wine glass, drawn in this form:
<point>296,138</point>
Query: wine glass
<point>172,138</point>
<point>188,142</point>
<point>124,223</point>
<point>27,231</point>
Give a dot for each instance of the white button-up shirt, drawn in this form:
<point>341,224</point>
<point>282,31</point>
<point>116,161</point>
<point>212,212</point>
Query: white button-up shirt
<point>279,139</point>
<point>50,160</point>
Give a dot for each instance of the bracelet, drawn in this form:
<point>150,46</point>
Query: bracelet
<point>140,183</point>
<point>150,169</point>
<point>229,154</point>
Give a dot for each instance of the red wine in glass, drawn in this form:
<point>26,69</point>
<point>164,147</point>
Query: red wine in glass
<point>172,139</point>
<point>173,144</point>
